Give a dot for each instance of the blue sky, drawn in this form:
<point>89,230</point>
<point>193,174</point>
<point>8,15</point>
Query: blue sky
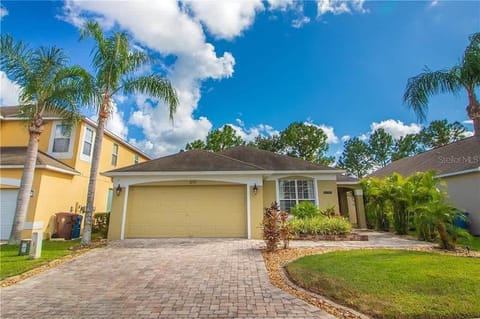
<point>260,65</point>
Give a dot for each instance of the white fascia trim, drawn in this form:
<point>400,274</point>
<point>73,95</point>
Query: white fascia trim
<point>253,172</point>
<point>316,176</point>
<point>473,170</point>
<point>137,180</point>
<point>10,181</point>
<point>201,173</point>
<point>348,183</point>
<point>57,169</point>
<point>48,167</point>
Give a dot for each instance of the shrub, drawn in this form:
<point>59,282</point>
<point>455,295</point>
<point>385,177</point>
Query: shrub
<point>286,232</point>
<point>321,226</point>
<point>276,227</point>
<point>100,224</point>
<point>305,210</point>
<point>435,220</point>
<point>328,212</point>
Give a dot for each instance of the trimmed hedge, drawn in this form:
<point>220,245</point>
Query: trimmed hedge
<point>321,226</point>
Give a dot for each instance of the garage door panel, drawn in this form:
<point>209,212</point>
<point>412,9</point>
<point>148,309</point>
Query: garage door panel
<point>8,201</point>
<point>186,211</point>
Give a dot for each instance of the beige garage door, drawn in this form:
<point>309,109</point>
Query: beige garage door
<point>186,211</point>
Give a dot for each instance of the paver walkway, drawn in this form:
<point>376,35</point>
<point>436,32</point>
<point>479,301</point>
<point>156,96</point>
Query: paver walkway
<point>375,240</point>
<point>157,278</point>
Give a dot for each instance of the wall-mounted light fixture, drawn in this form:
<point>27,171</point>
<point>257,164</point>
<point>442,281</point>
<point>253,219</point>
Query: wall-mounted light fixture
<point>118,190</point>
<point>32,193</point>
<point>255,189</point>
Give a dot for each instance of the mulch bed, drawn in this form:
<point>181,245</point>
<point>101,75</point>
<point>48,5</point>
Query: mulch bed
<point>275,262</point>
<point>77,250</point>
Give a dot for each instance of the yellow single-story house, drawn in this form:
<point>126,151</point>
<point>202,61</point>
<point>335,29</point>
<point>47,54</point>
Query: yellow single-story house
<point>62,171</point>
<point>205,194</point>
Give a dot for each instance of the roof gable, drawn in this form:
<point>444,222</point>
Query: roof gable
<point>452,158</point>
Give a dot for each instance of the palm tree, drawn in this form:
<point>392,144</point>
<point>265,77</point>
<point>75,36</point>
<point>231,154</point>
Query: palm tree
<point>47,85</point>
<point>117,68</point>
<point>466,76</point>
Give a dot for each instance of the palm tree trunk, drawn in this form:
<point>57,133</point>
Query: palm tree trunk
<point>97,151</point>
<point>473,110</point>
<point>26,182</point>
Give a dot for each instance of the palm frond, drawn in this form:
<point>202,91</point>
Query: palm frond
<point>471,61</point>
<point>15,59</point>
<point>92,30</point>
<point>136,60</point>
<point>155,86</point>
<point>424,85</point>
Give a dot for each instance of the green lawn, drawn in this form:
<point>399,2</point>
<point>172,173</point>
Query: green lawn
<point>11,264</point>
<point>473,244</point>
<point>394,283</point>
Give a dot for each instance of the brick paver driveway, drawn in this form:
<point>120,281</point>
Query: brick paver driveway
<point>157,278</point>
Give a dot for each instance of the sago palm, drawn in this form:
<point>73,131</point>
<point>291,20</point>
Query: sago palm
<point>465,76</point>
<point>116,71</point>
<point>46,85</point>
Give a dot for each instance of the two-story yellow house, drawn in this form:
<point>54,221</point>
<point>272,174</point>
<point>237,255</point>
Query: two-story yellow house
<point>62,172</point>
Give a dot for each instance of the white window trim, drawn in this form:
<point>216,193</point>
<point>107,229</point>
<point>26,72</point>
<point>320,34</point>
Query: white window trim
<point>315,187</point>
<point>116,155</point>
<point>63,155</point>
<point>84,157</point>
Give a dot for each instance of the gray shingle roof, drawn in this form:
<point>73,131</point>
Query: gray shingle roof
<point>272,161</point>
<point>240,158</point>
<point>455,157</point>
<point>15,156</point>
<point>191,161</point>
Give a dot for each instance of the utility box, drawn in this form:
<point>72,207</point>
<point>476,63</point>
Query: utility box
<point>24,247</point>
<point>36,245</point>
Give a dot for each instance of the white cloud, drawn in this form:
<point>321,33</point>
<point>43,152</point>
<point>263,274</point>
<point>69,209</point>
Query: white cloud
<point>363,137</point>
<point>116,124</point>
<point>250,133</point>
<point>345,138</point>
<point>396,128</point>
<point>433,3</point>
<point>300,22</point>
<point>3,12</point>
<point>328,130</point>
<point>469,122</point>
<point>282,5</point>
<point>150,24</point>
<point>225,19</point>
<point>9,91</point>
<point>339,6</point>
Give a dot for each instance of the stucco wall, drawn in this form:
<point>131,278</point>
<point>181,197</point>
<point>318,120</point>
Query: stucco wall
<point>114,229</point>
<point>269,193</point>
<point>257,208</point>
<point>327,195</point>
<point>464,193</point>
